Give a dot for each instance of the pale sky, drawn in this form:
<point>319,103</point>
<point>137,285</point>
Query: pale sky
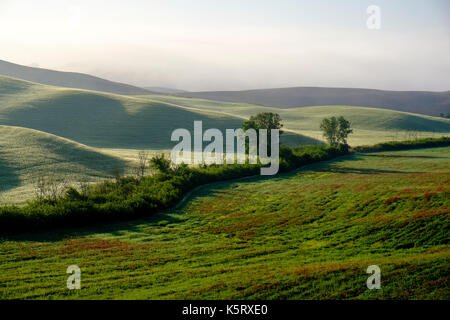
<point>234,44</point>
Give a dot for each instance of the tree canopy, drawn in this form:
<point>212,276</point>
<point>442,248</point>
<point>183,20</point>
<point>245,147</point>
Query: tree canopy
<point>336,130</point>
<point>264,120</point>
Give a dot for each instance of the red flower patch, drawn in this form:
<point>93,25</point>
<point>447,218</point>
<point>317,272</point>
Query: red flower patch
<point>391,199</point>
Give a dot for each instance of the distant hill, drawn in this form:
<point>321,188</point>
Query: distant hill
<point>67,79</point>
<point>165,90</point>
<point>104,120</point>
<point>423,102</point>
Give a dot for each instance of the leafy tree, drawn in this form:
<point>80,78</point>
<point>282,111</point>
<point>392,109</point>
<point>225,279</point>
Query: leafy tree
<point>343,130</point>
<point>264,120</point>
<point>329,127</point>
<point>336,130</point>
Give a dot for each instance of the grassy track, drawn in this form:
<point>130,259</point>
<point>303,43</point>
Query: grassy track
<point>308,234</point>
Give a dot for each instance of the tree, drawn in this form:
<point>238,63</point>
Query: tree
<point>329,127</point>
<point>49,188</point>
<point>264,120</point>
<point>343,130</point>
<point>142,164</point>
<point>336,130</point>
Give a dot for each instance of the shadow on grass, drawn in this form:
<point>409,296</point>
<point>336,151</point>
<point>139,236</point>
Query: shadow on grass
<point>111,228</point>
<point>9,177</point>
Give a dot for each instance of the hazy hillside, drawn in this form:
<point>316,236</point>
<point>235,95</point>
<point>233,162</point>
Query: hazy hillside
<point>371,125</point>
<point>67,79</point>
<point>104,120</point>
<point>429,103</point>
<point>27,154</point>
<point>165,90</point>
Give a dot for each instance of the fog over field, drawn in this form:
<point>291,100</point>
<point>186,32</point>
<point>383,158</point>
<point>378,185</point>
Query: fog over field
<point>234,45</point>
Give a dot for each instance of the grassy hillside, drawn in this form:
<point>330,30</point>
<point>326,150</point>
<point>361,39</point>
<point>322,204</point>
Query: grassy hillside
<point>27,154</point>
<point>308,234</point>
<point>67,79</point>
<point>423,102</point>
<point>371,125</point>
<point>105,120</point>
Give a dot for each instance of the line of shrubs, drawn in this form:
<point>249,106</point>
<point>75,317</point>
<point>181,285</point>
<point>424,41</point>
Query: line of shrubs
<point>128,198</point>
<point>403,145</point>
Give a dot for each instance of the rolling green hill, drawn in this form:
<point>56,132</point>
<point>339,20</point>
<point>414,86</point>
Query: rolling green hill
<point>105,120</point>
<point>310,234</point>
<point>27,154</point>
<point>371,125</point>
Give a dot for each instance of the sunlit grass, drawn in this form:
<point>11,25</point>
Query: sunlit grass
<point>27,154</point>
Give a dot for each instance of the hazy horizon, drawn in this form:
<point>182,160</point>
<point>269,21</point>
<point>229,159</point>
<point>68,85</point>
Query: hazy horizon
<point>234,45</point>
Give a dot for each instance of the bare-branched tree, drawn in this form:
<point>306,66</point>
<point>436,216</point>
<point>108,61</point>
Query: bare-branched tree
<point>50,187</point>
<point>142,164</point>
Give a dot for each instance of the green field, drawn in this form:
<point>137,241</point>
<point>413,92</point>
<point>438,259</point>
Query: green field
<point>371,125</point>
<point>27,154</point>
<point>307,234</point>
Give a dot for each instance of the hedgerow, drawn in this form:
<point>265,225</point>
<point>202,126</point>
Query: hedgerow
<point>403,145</point>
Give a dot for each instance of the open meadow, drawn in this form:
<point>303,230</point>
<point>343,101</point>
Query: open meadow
<point>308,234</point>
